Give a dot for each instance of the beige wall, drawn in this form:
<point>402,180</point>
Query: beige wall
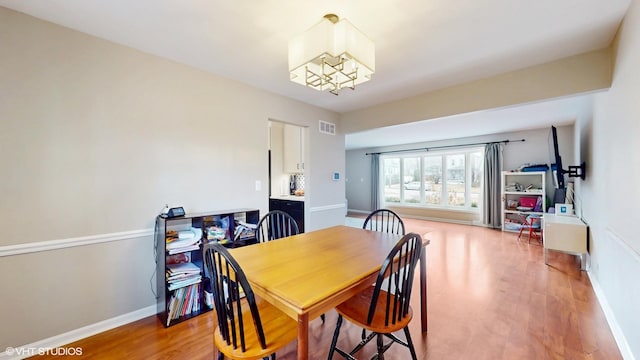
<point>577,74</point>
<point>607,198</point>
<point>96,138</point>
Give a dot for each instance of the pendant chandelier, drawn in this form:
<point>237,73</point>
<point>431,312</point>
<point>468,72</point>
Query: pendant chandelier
<point>331,55</point>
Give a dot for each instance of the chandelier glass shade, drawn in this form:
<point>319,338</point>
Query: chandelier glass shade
<point>331,55</point>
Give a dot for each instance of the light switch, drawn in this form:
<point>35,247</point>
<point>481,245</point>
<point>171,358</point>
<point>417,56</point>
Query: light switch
<point>258,185</point>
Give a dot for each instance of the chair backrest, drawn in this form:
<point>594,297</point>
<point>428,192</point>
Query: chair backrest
<point>399,268</point>
<point>227,282</point>
<point>528,221</point>
<point>384,220</point>
<point>276,224</point>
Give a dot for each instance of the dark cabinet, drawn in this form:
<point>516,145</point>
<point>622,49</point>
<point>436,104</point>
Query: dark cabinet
<point>292,207</point>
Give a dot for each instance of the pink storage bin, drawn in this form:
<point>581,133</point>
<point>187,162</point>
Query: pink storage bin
<point>528,201</point>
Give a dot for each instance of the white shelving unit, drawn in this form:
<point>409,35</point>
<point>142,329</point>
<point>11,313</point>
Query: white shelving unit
<point>520,193</point>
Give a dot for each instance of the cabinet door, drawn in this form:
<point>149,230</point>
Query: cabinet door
<point>293,149</point>
<point>293,208</point>
<point>565,234</point>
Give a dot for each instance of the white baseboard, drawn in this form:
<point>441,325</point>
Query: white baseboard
<point>359,211</point>
<point>326,207</point>
<point>436,219</point>
<point>77,334</point>
<point>451,221</point>
<point>618,335</point>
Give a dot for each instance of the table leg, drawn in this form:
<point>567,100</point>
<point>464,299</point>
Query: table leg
<point>545,256</point>
<point>303,336</point>
<point>423,289</point>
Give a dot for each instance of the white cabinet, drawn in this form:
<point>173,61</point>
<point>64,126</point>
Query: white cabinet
<point>565,233</point>
<point>293,149</point>
<point>523,193</point>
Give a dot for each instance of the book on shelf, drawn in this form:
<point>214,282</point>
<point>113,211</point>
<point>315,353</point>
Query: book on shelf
<point>178,258</point>
<point>187,268</point>
<point>184,302</point>
<point>178,277</point>
<point>183,283</point>
<point>181,275</point>
<point>187,302</point>
<point>179,250</point>
<point>244,230</point>
<point>175,244</point>
<point>181,241</point>
<point>247,225</point>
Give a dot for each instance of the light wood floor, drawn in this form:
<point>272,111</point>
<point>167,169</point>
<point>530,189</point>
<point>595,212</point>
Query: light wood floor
<point>489,296</point>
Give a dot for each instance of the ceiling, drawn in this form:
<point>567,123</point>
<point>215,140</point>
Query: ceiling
<point>421,45</point>
<point>510,119</point>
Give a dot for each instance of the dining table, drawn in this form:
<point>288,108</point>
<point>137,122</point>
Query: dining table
<point>308,274</point>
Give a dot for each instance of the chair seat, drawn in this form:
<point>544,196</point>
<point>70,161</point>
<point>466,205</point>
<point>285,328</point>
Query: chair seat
<point>531,224</point>
<point>280,329</point>
<point>356,310</point>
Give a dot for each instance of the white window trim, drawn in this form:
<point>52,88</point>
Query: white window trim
<point>422,205</point>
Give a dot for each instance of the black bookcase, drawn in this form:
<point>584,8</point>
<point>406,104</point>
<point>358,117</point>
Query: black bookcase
<point>182,282</point>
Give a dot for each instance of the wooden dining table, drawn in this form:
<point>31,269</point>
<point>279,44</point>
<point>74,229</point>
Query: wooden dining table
<point>309,274</point>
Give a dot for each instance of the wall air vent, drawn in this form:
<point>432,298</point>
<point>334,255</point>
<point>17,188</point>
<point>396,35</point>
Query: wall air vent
<point>327,128</point>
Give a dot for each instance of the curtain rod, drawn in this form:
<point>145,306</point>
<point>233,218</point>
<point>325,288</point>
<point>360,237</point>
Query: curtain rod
<point>444,147</point>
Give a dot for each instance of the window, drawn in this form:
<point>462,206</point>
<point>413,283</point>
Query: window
<point>448,179</point>
<point>411,171</point>
<point>391,180</point>
<point>456,194</point>
<point>433,179</point>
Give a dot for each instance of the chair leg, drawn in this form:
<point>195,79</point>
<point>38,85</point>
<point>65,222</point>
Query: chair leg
<point>520,233</point>
<point>220,356</point>
<point>380,355</point>
<point>336,333</point>
<point>532,234</point>
<point>531,231</point>
<point>410,343</point>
